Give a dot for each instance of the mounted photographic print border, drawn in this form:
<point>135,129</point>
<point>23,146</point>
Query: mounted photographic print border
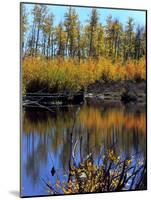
<point>83,99</point>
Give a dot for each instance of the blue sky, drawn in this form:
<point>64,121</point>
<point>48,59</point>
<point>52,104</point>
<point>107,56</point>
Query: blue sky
<point>84,12</point>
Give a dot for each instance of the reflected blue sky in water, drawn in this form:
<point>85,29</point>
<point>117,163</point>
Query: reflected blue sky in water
<point>43,150</point>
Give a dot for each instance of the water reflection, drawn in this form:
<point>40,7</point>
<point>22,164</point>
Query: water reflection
<point>48,138</point>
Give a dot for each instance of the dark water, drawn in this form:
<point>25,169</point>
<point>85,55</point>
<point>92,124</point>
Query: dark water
<point>47,141</point>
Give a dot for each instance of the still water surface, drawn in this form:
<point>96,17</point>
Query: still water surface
<point>48,139</point>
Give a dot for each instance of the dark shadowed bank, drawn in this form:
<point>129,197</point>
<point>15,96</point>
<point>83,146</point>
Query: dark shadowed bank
<point>111,91</point>
<point>126,91</point>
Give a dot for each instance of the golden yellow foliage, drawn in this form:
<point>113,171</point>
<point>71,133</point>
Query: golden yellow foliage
<point>113,174</point>
<point>66,74</point>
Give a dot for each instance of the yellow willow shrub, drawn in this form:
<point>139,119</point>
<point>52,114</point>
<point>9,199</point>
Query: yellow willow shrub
<point>140,69</point>
<point>110,71</point>
<point>104,69</point>
<point>88,72</point>
<point>39,72</point>
<point>65,74</point>
<point>135,70</point>
<point>58,73</point>
<point>35,73</point>
<point>131,70</point>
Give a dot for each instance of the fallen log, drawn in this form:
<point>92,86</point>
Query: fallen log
<point>53,98</point>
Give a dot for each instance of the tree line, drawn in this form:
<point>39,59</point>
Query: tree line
<point>72,39</point>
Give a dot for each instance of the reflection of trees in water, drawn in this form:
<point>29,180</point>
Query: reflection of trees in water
<point>95,127</point>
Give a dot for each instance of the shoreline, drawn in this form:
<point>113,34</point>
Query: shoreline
<point>121,91</point>
<point>113,91</point>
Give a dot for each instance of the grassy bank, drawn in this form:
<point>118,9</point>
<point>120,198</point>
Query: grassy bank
<point>67,75</point>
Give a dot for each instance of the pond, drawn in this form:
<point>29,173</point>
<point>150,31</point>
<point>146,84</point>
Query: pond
<point>50,138</point>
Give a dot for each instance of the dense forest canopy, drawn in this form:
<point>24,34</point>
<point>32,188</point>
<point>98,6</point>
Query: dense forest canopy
<point>71,54</point>
<point>72,39</point>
